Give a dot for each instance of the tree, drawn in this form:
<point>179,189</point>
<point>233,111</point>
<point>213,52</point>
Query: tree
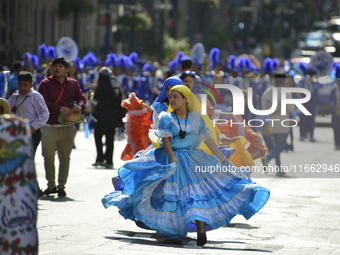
<point>216,37</point>
<point>133,22</point>
<point>77,8</point>
<point>213,4</point>
<point>172,46</point>
<point>203,10</point>
<point>81,7</point>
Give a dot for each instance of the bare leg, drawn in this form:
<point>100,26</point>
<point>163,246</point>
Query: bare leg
<point>201,236</point>
<point>200,226</point>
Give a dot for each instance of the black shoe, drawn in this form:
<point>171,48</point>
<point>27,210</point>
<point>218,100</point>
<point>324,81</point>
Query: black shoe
<point>98,163</point>
<point>173,241</point>
<point>50,191</point>
<point>109,166</point>
<point>61,193</point>
<point>201,239</point>
<point>41,193</point>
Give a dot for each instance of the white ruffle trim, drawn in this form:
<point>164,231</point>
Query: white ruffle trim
<point>146,158</point>
<point>220,137</point>
<point>138,112</point>
<point>153,136</point>
<point>163,134</point>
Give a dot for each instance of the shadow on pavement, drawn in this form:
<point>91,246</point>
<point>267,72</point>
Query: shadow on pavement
<point>101,168</point>
<point>58,199</point>
<point>186,242</point>
<point>241,225</point>
<point>144,238</point>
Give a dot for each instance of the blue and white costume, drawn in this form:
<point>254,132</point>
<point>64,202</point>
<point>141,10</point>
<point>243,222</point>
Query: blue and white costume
<point>168,197</point>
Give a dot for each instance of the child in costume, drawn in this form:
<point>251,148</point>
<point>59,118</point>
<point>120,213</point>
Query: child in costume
<point>170,186</point>
<point>137,124</point>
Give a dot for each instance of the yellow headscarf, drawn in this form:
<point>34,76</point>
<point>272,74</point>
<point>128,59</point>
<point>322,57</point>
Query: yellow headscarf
<point>194,105</point>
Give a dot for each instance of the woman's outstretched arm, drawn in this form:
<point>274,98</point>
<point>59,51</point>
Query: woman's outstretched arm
<point>213,147</point>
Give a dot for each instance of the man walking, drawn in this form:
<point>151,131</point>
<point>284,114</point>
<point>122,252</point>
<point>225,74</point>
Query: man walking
<point>62,95</point>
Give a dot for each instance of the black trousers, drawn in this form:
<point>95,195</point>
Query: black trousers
<point>109,133</point>
<point>36,138</point>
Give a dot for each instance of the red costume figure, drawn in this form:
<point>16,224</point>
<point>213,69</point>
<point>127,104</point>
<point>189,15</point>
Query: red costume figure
<point>137,125</point>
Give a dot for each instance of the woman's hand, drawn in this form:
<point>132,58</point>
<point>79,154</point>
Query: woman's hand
<point>223,159</point>
<point>173,160</point>
<point>148,107</point>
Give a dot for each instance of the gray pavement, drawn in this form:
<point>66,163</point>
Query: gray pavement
<point>302,215</point>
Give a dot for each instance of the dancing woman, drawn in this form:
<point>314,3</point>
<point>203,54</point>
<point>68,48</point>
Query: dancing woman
<point>170,187</point>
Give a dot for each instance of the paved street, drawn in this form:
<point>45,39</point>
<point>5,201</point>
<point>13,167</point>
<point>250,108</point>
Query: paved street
<point>302,215</point>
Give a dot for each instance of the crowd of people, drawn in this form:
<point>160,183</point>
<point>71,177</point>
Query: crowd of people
<point>130,74</point>
<point>174,110</point>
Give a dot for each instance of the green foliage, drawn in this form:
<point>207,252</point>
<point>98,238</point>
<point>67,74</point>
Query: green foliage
<point>81,7</point>
<point>213,4</point>
<point>172,46</point>
<point>135,22</point>
<point>216,37</point>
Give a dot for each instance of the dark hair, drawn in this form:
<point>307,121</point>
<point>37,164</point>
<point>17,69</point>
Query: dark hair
<point>25,76</point>
<point>186,63</point>
<point>280,78</point>
<point>181,94</point>
<point>281,75</point>
<point>16,66</point>
<point>169,73</point>
<point>187,73</point>
<point>166,99</point>
<point>103,79</point>
<point>104,89</point>
<point>178,92</point>
<point>60,60</point>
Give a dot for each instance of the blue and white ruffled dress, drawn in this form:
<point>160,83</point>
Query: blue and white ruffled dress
<point>169,197</point>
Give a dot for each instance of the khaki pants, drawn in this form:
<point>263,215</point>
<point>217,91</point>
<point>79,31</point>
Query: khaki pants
<point>58,139</point>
